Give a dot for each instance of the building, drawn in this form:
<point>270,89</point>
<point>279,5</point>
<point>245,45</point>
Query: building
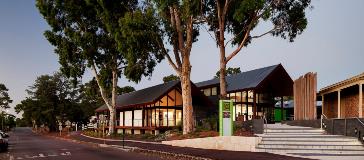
<point>154,109</point>
<point>344,99</point>
<point>253,92</point>
<point>159,108</point>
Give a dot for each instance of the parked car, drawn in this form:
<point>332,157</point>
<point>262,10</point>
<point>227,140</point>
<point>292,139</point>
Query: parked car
<point>4,135</point>
<point>3,143</point>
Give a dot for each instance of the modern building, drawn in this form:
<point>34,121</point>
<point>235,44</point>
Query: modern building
<point>344,99</point>
<point>159,108</point>
<point>253,92</point>
<point>154,109</point>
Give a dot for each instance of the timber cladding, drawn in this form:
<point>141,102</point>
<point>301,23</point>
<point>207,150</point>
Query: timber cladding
<point>304,90</point>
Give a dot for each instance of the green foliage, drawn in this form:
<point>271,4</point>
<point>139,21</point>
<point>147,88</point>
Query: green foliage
<point>170,78</point>
<point>287,17</point>
<point>7,121</point>
<point>228,72</point>
<point>126,89</point>
<point>4,97</point>
<point>55,98</point>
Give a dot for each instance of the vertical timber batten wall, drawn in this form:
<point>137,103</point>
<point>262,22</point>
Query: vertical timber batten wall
<point>304,89</point>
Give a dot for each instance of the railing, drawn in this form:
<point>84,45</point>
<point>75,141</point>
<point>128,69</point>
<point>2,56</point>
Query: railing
<point>350,126</point>
<point>322,119</point>
<point>265,122</point>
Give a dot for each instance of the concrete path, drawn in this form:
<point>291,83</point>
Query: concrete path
<point>205,153</point>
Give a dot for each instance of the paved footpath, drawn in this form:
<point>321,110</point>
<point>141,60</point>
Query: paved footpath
<point>205,153</point>
<point>25,145</point>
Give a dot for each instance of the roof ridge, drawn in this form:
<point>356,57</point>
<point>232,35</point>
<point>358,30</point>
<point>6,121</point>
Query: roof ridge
<point>235,75</point>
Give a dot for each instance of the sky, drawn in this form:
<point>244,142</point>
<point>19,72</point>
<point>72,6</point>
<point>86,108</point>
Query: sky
<point>331,45</point>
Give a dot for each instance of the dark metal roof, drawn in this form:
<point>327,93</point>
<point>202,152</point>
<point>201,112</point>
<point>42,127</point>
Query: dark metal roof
<point>146,95</point>
<point>241,81</point>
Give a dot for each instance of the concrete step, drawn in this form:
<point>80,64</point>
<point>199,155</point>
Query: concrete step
<point>312,146</point>
<point>294,131</point>
<point>314,141</point>
<point>307,138</point>
<point>312,151</point>
<point>304,136</point>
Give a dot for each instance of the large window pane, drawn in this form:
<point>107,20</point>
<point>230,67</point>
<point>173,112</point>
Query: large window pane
<point>179,117</point>
<point>207,91</point>
<point>163,117</point>
<point>138,118</point>
<point>238,97</point>
<point>214,91</point>
<point>232,97</point>
<point>171,117</point>
<point>243,95</point>
<point>250,96</point>
<point>128,118</point>
<point>153,118</point>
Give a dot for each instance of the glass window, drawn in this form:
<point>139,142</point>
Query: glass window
<point>163,115</point>
<point>179,117</point>
<point>153,117</point>
<point>250,96</point>
<point>207,91</point>
<point>238,97</point>
<point>232,97</point>
<point>171,117</point>
<point>214,91</point>
<point>243,95</point>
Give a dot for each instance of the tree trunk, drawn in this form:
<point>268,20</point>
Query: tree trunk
<point>223,93</point>
<point>188,121</point>
<point>113,102</point>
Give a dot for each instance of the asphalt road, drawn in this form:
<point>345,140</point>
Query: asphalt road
<point>24,144</point>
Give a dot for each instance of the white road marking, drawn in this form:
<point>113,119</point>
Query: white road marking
<point>66,154</point>
<point>41,155</point>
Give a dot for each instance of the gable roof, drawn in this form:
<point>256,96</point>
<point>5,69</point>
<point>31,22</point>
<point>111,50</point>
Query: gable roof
<point>241,81</point>
<point>342,84</point>
<point>142,96</point>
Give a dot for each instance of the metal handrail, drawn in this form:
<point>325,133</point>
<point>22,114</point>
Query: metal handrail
<point>322,118</point>
<point>361,122</point>
<point>265,122</point>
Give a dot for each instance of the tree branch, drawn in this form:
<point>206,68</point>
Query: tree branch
<point>179,31</point>
<point>102,90</point>
<point>165,53</point>
<point>258,36</point>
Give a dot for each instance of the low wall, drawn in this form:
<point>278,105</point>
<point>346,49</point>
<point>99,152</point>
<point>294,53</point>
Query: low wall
<point>231,143</point>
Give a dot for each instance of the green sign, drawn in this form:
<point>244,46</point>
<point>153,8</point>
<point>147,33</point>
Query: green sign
<point>226,117</point>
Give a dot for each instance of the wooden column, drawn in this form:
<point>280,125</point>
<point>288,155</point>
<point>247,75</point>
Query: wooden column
<point>322,107</point>
<point>360,100</point>
<point>338,104</point>
<point>254,105</point>
<point>282,109</point>
<point>246,106</point>
<point>143,117</point>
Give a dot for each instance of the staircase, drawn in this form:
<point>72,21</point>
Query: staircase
<point>309,143</point>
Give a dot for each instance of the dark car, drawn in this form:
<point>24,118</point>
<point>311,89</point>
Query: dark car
<point>3,134</point>
<point>3,143</point>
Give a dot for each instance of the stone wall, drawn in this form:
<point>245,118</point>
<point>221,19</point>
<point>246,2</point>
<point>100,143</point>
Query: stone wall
<point>231,143</point>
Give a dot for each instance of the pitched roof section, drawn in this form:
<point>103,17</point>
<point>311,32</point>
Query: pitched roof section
<point>142,96</point>
<point>345,83</point>
<point>244,80</point>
